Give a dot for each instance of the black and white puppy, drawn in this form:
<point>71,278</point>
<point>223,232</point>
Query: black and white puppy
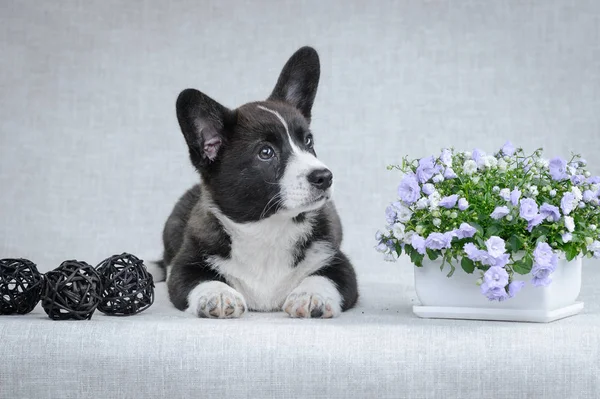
<point>260,232</point>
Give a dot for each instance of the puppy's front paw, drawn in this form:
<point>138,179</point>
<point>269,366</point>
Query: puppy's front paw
<point>215,299</point>
<point>315,297</point>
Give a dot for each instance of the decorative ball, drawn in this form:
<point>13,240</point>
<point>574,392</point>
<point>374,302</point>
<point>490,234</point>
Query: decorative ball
<point>128,287</point>
<point>20,286</point>
<point>72,291</point>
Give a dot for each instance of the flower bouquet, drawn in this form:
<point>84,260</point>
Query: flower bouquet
<point>511,219</point>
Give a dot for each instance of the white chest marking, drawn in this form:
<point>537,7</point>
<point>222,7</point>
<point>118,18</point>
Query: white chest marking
<point>261,265</point>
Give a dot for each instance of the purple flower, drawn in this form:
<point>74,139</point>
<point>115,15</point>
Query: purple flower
<point>543,255</point>
<point>426,169</point>
<point>589,196</point>
<point>529,209</point>
<point>418,243</point>
<point>409,190</point>
<point>593,180</point>
<point>567,203</point>
<point>515,195</point>
<point>449,174</point>
<point>505,194</point>
<point>494,294</point>
<point>508,149</point>
<point>567,237</point>
<point>541,275</point>
<point>495,246</point>
<point>500,212</point>
<point>381,247</point>
<point>489,260</point>
<point>473,252</point>
<point>446,157</point>
<point>378,236</point>
<point>390,214</point>
<point>537,219</point>
<point>437,241</point>
<point>465,231</point>
<point>496,277</point>
<point>463,204</point>
<point>449,202</point>
<point>550,211</point>
<point>515,287</point>
<point>449,235</point>
<point>577,179</point>
<point>479,157</point>
<point>558,168</point>
<point>428,188</point>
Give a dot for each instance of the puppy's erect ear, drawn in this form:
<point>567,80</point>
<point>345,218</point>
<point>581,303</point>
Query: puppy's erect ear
<point>298,81</point>
<point>205,124</point>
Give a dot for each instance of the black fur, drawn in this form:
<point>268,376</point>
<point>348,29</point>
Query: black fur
<point>223,146</point>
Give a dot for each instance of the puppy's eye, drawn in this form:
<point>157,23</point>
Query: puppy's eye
<point>308,141</point>
<point>266,152</point>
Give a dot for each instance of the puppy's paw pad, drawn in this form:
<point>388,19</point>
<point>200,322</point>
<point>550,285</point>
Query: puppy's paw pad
<point>217,301</point>
<point>311,305</point>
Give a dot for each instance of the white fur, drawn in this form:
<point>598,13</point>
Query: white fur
<point>314,293</point>
<point>296,191</point>
<point>213,298</point>
<point>262,255</point>
<point>157,272</point>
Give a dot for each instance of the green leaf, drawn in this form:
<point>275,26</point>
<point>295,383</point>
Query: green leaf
<point>417,258</point>
<point>571,251</point>
<point>480,242</point>
<point>452,269</point>
<point>523,266</point>
<point>477,227</point>
<point>433,255</point>
<point>493,230</point>
<point>515,243</point>
<point>467,265</point>
<point>542,238</point>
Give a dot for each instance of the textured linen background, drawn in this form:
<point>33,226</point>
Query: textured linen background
<point>92,161</point>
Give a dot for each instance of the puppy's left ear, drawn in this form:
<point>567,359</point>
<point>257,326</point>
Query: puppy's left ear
<point>298,81</point>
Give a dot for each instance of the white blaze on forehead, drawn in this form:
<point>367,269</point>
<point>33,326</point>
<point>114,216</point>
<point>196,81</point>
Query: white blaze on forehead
<point>296,191</point>
<point>285,125</point>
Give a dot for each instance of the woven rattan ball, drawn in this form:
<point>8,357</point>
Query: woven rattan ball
<point>128,287</point>
<point>72,291</point>
<point>20,286</point>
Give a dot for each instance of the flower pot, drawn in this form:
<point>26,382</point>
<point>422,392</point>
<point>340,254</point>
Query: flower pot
<point>459,297</point>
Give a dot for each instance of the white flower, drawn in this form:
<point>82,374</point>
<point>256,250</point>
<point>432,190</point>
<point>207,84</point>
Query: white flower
<point>453,215</point>
<point>542,163</point>
<point>572,170</point>
<point>587,174</point>
<point>595,187</point>
<point>594,246</point>
<point>509,217</point>
<point>502,165</point>
<point>422,203</point>
<point>408,236</point>
<point>495,189</point>
<point>391,256</point>
<point>581,205</point>
<point>403,213</point>
<point>569,223</point>
<point>475,179</point>
<point>577,193</point>
<point>437,222</point>
<point>470,167</point>
<point>434,200</point>
<point>505,194</point>
<point>419,229</point>
<point>490,162</point>
<point>593,227</point>
<point>552,193</point>
<point>438,178</point>
<point>467,154</point>
<point>398,231</point>
<point>533,191</point>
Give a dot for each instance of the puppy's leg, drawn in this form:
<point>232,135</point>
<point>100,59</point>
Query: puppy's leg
<point>198,289</point>
<point>326,293</point>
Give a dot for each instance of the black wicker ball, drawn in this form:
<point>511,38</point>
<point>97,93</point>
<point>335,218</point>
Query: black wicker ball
<point>72,291</point>
<point>128,287</point>
<point>20,286</point>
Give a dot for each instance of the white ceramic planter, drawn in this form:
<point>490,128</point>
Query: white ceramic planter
<point>458,297</point>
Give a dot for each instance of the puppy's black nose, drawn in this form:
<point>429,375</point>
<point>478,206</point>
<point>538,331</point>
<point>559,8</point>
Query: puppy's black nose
<point>320,178</point>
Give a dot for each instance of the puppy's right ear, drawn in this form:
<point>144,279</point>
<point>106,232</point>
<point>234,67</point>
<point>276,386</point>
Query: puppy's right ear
<point>205,124</point>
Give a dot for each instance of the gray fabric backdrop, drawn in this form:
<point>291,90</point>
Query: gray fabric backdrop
<point>92,161</point>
